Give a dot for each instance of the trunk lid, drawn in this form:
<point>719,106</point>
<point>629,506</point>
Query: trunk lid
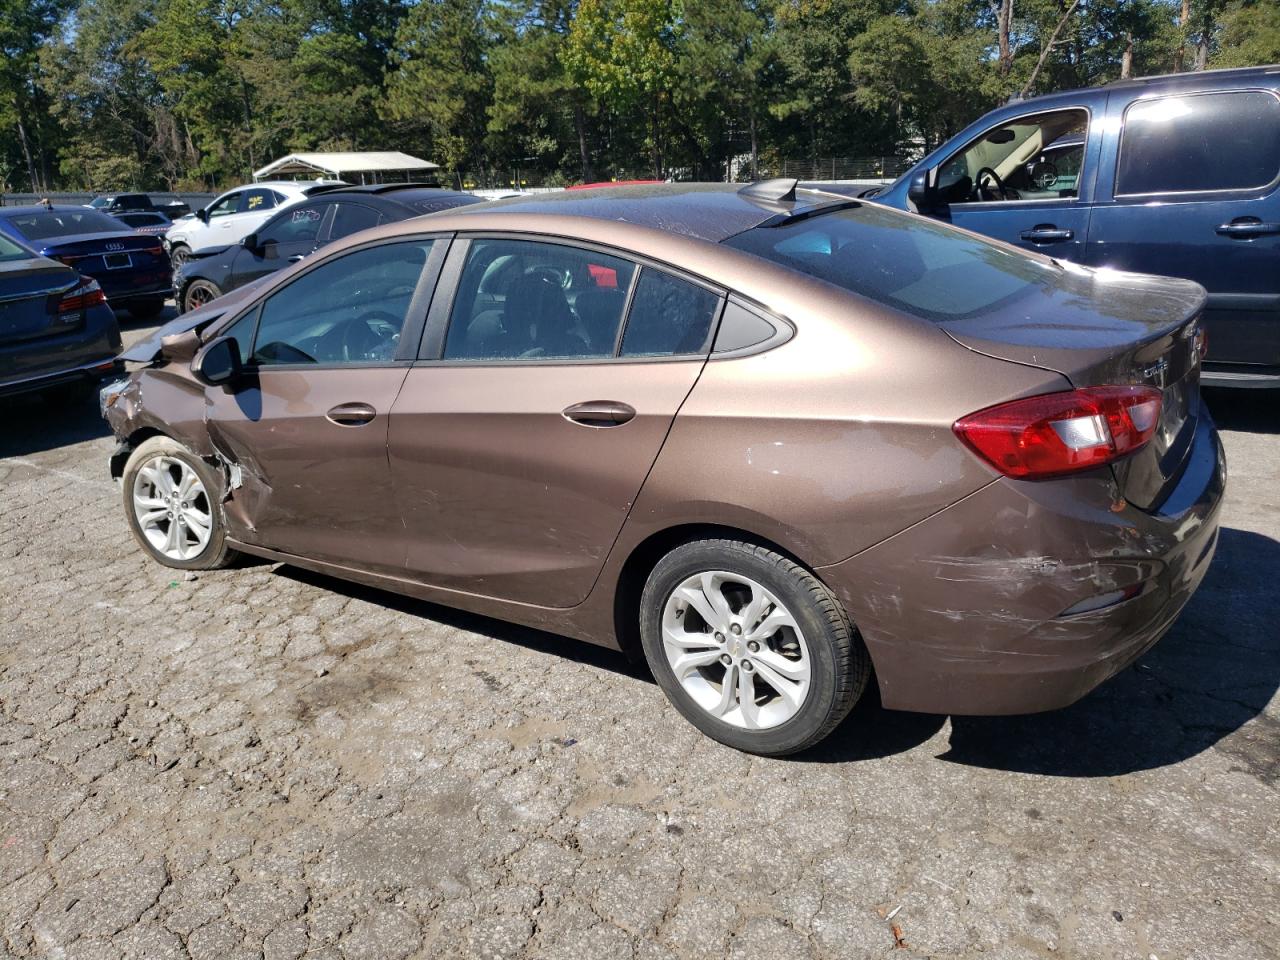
<point>1100,327</point>
<point>29,293</point>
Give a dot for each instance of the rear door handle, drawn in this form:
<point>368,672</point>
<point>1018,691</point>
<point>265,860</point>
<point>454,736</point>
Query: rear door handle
<point>352,414</point>
<point>1046,233</point>
<point>1246,228</point>
<point>599,413</point>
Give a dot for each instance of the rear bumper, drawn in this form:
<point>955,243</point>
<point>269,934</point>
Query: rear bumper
<point>955,626</point>
<point>83,354</point>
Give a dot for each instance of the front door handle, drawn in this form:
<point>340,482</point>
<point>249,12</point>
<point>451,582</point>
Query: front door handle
<point>1246,228</point>
<point>297,257</point>
<point>352,414</point>
<point>1047,233</point>
<point>599,413</point>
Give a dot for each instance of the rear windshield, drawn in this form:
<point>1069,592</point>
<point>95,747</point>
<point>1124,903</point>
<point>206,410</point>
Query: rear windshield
<point>64,223</point>
<point>11,251</point>
<point>916,265</point>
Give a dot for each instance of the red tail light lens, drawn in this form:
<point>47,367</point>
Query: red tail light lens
<point>83,295</point>
<point>1061,433</point>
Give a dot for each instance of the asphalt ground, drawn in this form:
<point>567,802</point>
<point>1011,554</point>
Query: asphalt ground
<point>263,762</point>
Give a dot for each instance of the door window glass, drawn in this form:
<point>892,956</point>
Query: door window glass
<point>227,205</point>
<point>1031,158</point>
<point>1211,141</point>
<point>257,200</point>
<point>521,299</point>
<point>668,317</point>
<point>349,218</point>
<point>299,225</point>
<point>349,310</point>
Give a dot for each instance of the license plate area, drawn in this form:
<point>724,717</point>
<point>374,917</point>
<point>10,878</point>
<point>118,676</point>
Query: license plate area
<point>117,261</point>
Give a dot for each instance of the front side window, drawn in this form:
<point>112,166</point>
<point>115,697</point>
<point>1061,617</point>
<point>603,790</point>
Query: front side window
<point>916,265</point>
<point>668,316</point>
<point>226,206</point>
<point>1198,143</point>
<point>1031,158</point>
<point>526,300</point>
<point>348,310</point>
<point>298,225</point>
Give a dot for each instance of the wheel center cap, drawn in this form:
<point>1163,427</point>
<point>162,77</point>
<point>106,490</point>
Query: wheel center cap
<point>736,646</point>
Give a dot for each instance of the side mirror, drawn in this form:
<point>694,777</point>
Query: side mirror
<point>920,193</point>
<point>180,347</point>
<point>218,362</point>
<point>202,215</point>
<point>250,242</point>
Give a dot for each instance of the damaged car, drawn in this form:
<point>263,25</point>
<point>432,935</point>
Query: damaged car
<point>780,444</point>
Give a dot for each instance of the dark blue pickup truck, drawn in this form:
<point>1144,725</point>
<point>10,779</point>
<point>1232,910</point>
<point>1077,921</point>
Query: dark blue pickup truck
<point>1176,175</point>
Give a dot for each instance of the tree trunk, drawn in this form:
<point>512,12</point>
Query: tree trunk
<point>1003,9</point>
<point>1202,45</point>
<point>26,153</point>
<point>580,124</point>
<point>1126,60</point>
<point>755,147</point>
<point>1179,55</point>
<point>1053,42</point>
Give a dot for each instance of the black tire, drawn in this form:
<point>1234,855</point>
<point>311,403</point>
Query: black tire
<point>146,309</point>
<point>839,665</point>
<point>195,290</point>
<point>216,553</point>
<point>178,254</point>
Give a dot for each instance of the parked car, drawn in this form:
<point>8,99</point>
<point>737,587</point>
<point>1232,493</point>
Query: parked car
<point>132,269</point>
<point>56,331</point>
<point>138,202</point>
<point>1176,175</point>
<point>299,231</point>
<point>153,224</point>
<point>769,438</point>
<point>236,214</point>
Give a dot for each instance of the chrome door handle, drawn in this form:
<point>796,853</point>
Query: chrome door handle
<point>1246,228</point>
<point>351,414</point>
<point>1046,233</point>
<point>599,413</point>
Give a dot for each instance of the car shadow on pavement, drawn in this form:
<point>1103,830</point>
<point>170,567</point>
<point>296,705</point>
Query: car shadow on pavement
<point>32,423</point>
<point>1249,411</point>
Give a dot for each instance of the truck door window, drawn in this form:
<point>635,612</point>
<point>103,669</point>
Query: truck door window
<point>1031,158</point>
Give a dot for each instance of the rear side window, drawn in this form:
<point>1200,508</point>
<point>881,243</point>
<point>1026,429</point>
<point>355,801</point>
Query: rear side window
<point>915,265</point>
<point>350,218</point>
<point>257,199</point>
<point>1203,142</point>
<point>668,316</point>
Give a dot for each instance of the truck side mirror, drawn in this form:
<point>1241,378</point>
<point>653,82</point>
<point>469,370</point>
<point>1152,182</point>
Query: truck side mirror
<point>920,193</point>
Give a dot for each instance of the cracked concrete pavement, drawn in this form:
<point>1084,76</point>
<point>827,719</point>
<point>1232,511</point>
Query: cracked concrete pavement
<point>262,762</point>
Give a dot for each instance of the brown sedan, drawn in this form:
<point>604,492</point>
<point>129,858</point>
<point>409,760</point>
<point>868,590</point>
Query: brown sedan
<point>777,441</point>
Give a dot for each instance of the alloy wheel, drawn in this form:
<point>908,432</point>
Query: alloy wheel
<point>736,650</point>
<point>172,508</point>
<point>197,296</point>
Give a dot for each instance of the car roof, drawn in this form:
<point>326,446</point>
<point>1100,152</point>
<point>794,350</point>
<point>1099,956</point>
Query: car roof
<point>53,208</point>
<point>704,211</point>
<point>1199,79</point>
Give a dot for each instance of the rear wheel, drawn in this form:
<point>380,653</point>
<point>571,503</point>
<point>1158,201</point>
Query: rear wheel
<point>750,646</point>
<point>146,309</point>
<point>173,505</point>
<point>197,294</point>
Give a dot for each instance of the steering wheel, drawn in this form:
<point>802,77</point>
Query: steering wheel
<point>1044,174</point>
<point>979,189</point>
<point>372,336</point>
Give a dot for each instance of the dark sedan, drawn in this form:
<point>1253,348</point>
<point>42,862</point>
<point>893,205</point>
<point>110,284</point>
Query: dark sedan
<point>56,330</point>
<point>131,268</point>
<point>302,229</point>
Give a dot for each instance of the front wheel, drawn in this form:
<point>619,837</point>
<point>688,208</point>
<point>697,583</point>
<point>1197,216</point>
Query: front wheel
<point>179,254</point>
<point>172,502</point>
<point>197,294</point>
<point>750,647</point>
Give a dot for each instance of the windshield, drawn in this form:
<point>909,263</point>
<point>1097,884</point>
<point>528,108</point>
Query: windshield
<point>11,251</point>
<point>64,223</point>
<point>99,202</point>
<point>916,265</point>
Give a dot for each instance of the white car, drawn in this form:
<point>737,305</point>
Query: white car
<point>236,214</point>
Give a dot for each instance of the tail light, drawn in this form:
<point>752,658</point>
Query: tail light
<point>82,296</point>
<point>1061,433</point>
